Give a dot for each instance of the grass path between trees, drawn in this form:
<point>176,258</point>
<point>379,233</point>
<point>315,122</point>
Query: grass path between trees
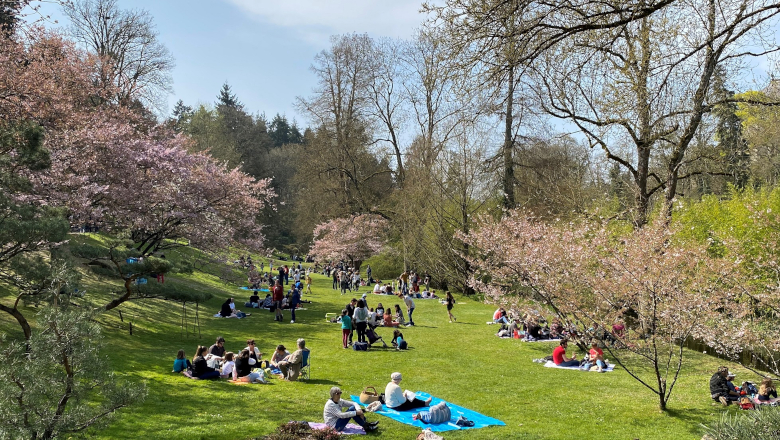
<point>460,362</point>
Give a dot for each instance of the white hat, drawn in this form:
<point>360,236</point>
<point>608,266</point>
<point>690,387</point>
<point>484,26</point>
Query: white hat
<point>396,377</point>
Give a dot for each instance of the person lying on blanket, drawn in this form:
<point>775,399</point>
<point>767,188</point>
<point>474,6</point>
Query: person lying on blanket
<point>402,400</point>
<point>337,418</point>
<point>438,413</point>
<point>559,356</point>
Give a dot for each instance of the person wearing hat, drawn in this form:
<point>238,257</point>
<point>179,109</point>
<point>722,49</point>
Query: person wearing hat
<point>400,400</point>
<point>730,383</point>
<point>719,390</point>
<point>337,418</point>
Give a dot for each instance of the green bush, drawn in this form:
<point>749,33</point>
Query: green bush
<point>385,266</point>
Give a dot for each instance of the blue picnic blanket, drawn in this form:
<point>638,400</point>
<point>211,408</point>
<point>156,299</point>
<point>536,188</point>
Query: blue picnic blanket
<point>256,290</point>
<point>480,421</point>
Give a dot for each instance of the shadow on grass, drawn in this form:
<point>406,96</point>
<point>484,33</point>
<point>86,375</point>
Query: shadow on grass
<point>692,417</point>
<point>320,382</point>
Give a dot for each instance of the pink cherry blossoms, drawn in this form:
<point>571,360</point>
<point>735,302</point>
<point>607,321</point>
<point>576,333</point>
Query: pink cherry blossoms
<point>353,238</point>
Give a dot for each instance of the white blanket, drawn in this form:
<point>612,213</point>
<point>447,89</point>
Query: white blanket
<point>551,364</point>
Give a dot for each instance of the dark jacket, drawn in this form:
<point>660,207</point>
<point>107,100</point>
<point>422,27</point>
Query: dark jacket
<point>718,385</point>
<point>200,366</point>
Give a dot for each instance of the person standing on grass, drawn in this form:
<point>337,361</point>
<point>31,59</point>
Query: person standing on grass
<point>346,328</point>
<point>360,318</point>
<point>308,282</point>
<point>294,301</point>
<point>368,273</point>
<point>351,311</point>
<point>335,275</point>
<point>450,305</point>
<point>278,293</point>
<point>409,306</point>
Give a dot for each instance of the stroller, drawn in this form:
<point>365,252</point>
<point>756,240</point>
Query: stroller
<point>373,337</point>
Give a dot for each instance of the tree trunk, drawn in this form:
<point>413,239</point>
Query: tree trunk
<point>20,319</point>
<point>508,180</point>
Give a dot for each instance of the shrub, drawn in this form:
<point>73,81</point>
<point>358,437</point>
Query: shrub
<point>763,424</point>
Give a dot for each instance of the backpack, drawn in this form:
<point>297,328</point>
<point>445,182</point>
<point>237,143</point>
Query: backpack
<point>403,345</point>
<point>360,346</point>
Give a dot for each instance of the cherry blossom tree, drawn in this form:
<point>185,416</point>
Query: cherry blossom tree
<point>353,238</point>
<point>665,290</point>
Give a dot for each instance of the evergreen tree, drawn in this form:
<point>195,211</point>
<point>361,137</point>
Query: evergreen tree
<point>227,98</point>
<point>728,132</point>
<point>181,116</point>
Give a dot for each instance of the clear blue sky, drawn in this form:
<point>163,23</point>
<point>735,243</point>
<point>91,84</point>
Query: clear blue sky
<point>262,48</point>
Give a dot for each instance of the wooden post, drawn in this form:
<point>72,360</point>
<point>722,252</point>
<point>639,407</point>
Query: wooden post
<point>197,318</point>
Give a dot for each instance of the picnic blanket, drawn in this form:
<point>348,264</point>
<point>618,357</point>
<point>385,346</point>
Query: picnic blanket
<point>551,364</point>
<point>770,402</point>
<point>349,430</point>
<point>480,421</point>
<point>542,340</point>
<point>256,290</point>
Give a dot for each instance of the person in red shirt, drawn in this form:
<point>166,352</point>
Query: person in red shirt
<point>559,356</point>
<point>278,296</point>
<point>597,356</point>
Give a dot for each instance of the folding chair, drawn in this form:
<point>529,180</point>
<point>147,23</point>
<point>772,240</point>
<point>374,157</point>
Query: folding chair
<point>306,365</point>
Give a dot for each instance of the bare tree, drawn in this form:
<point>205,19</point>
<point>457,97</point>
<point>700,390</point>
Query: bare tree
<point>133,60</point>
<point>642,100</point>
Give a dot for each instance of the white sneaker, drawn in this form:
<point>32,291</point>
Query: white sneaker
<point>292,322</point>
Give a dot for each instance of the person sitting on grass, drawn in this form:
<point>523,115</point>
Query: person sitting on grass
<point>766,390</point>
<point>380,309</point>
<point>398,340</point>
<point>216,353</point>
<point>595,357</point>
<point>400,400</point>
<point>500,316</point>
<point>389,319</point>
<point>181,363</point>
<point>378,288</point>
<point>280,354</point>
<point>254,352</point>
<point>254,301</point>
<point>229,366</point>
<point>559,356</point>
<point>243,369</point>
<point>719,391</point>
<point>200,367</point>
<point>291,367</point>
<point>399,315</point>
<point>337,418</point>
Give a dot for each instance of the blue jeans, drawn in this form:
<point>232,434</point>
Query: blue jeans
<point>571,363</point>
<point>411,321</point>
<point>342,423</point>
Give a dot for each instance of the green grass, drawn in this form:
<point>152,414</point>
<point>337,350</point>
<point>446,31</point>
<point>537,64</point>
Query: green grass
<point>462,362</point>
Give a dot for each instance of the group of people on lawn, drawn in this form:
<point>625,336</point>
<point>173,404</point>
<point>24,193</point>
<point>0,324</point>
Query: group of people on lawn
<point>356,316</point>
<point>246,366</point>
<point>723,390</point>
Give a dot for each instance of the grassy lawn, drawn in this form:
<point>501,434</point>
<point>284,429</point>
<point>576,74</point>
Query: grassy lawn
<point>461,362</point>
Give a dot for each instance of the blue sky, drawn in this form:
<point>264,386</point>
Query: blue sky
<point>263,48</point>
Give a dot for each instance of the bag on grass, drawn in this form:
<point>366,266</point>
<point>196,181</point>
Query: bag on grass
<point>374,406</point>
<point>745,403</point>
<point>360,346</point>
<point>369,395</point>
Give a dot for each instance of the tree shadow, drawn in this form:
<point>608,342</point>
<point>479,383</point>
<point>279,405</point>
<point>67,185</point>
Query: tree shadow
<point>320,382</point>
<point>693,418</point>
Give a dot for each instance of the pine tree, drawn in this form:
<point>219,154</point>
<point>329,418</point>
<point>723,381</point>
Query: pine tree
<point>227,98</point>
